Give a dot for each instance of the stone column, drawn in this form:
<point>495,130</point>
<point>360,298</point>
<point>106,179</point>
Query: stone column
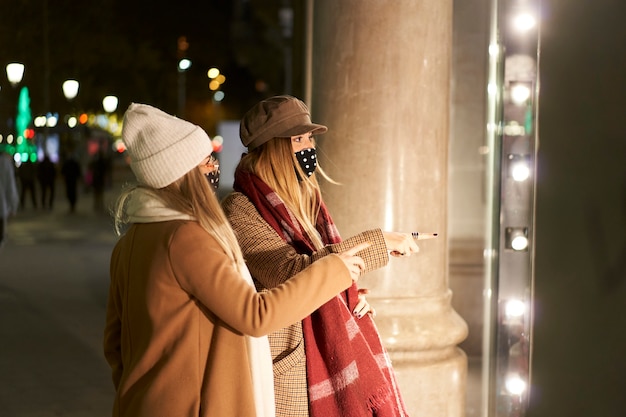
<point>380,81</point>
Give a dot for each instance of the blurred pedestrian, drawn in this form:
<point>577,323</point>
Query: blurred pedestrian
<point>47,174</point>
<point>27,174</point>
<point>99,168</point>
<point>8,192</point>
<point>71,172</point>
<point>185,326</point>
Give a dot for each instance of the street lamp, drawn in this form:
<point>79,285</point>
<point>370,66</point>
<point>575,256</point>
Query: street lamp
<point>15,72</point>
<point>70,89</point>
<point>183,65</point>
<point>109,103</point>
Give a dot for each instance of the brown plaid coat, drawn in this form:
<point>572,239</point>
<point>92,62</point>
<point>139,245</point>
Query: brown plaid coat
<point>272,261</point>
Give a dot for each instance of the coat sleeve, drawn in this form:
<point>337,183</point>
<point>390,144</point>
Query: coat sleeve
<point>203,269</point>
<point>272,260</point>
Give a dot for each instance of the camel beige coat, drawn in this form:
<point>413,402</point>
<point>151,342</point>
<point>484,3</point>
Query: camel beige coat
<point>176,315</point>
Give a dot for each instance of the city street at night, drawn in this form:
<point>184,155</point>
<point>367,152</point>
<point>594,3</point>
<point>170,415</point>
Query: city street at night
<point>53,289</point>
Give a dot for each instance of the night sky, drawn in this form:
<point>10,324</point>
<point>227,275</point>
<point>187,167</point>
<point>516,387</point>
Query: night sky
<point>129,49</point>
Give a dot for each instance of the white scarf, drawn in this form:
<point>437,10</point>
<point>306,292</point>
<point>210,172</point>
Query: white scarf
<point>145,207</point>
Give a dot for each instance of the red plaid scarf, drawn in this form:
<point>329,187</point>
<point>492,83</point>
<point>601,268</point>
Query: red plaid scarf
<point>349,373</point>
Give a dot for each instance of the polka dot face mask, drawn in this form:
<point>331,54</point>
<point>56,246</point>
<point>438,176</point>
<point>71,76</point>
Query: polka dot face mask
<point>213,178</point>
<point>307,158</point>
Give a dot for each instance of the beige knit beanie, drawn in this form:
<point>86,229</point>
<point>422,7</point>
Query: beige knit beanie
<point>162,147</point>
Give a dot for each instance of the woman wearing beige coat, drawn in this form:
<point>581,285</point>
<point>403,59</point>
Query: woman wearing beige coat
<point>331,364</point>
<point>185,328</point>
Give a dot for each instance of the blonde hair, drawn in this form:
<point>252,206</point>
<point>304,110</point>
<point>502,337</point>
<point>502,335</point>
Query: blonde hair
<point>275,163</point>
<point>191,195</point>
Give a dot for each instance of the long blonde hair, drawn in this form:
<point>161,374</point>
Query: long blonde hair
<point>275,163</point>
<point>191,195</point>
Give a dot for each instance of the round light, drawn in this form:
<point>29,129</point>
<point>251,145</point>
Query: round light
<point>15,72</point>
<point>184,64</point>
<point>109,103</point>
<point>213,72</point>
<point>514,308</point>
<point>40,121</point>
<point>520,171</point>
<point>52,120</point>
<point>524,22</point>
<point>519,243</point>
<point>520,93</point>
<point>515,385</point>
<point>218,96</point>
<point>70,89</point>
<point>214,85</point>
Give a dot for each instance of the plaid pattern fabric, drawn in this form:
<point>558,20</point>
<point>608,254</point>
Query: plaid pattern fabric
<point>272,261</point>
<point>348,370</point>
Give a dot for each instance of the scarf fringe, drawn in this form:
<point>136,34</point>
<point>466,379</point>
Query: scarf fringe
<point>378,399</point>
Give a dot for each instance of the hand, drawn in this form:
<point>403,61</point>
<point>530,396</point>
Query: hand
<point>355,264</point>
<point>400,244</point>
<point>363,307</point>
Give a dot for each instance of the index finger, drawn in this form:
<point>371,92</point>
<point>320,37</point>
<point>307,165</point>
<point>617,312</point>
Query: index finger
<point>354,250</point>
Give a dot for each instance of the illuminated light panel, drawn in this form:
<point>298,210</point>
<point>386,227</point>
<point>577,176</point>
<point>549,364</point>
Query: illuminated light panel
<point>519,243</point>
<point>514,308</point>
<point>520,93</point>
<point>524,21</point>
<point>519,167</point>
<point>515,384</point>
<point>516,238</point>
<point>520,172</point>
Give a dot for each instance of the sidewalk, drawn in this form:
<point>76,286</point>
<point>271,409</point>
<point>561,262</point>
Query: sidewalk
<point>54,273</point>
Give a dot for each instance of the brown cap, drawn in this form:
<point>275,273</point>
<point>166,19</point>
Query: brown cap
<point>276,117</point>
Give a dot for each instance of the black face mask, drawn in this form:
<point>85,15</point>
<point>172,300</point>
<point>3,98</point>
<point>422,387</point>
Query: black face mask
<point>307,158</point>
<point>213,178</point>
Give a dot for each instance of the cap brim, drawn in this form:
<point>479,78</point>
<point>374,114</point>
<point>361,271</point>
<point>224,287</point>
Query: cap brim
<point>302,129</point>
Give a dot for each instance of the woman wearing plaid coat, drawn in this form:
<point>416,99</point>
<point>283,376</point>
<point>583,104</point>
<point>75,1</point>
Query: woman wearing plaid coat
<point>332,363</point>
